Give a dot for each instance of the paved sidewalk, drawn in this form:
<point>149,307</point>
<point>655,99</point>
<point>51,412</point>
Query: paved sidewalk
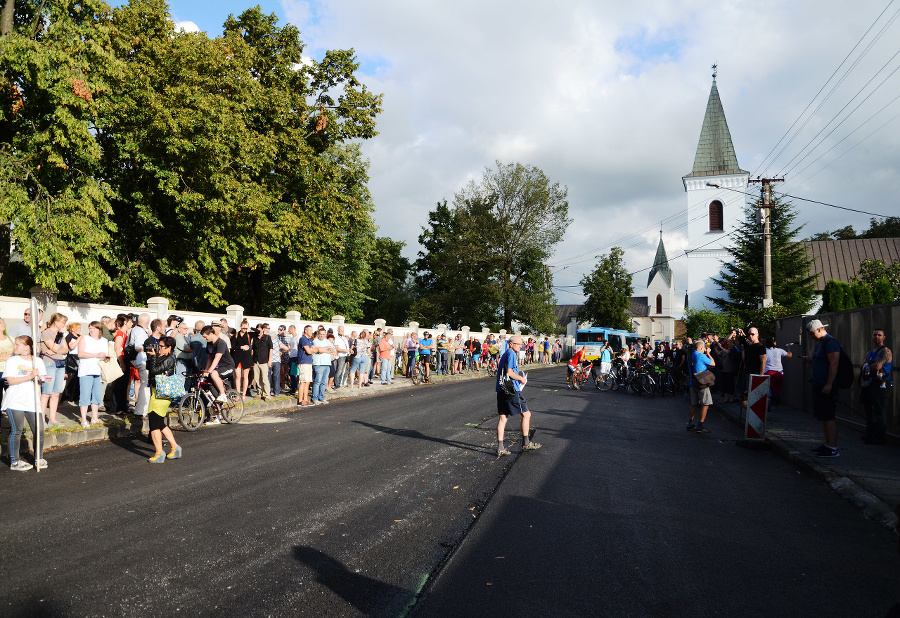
<point>867,475</point>
<point>69,431</point>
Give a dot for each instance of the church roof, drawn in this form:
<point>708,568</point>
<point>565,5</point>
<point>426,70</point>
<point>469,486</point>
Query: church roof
<point>715,152</point>
<point>661,264</point>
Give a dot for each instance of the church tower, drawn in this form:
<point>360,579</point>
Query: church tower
<point>716,197</point>
<point>661,296</point>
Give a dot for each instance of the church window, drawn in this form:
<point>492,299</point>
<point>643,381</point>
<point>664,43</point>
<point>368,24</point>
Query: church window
<point>716,222</point>
<point>659,303</point>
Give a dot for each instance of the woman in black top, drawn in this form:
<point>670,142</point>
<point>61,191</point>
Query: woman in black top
<point>243,358</point>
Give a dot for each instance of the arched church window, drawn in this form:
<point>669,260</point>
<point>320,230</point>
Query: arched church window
<point>716,221</point>
<point>659,303</point>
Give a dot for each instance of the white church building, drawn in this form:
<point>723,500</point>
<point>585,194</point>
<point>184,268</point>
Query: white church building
<point>716,195</point>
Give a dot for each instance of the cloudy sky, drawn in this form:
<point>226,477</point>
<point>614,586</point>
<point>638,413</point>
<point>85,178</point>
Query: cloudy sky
<point>608,98</point>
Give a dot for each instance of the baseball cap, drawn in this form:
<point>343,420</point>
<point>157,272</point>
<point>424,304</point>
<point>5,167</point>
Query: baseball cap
<point>815,325</point>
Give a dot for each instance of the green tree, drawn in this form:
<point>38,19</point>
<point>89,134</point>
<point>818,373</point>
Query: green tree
<point>741,277</point>
<point>862,294</point>
<point>871,271</point>
<point>608,290</point>
<point>515,216</point>
<point>698,321</point>
<point>55,71</point>
<point>450,287</point>
<point>832,297</point>
<point>389,289</point>
<point>882,292</point>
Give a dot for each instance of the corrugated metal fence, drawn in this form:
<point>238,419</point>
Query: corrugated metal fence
<point>853,330</point>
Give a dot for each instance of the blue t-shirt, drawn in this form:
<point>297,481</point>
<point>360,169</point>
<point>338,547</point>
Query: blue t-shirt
<point>606,356</point>
<point>819,373</point>
<point>425,346</point>
<point>509,360</point>
<point>699,362</point>
<point>302,357</point>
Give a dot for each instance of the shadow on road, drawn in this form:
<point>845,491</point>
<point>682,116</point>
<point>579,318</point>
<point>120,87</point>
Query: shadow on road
<point>367,595</point>
<point>138,445</point>
<point>412,433</point>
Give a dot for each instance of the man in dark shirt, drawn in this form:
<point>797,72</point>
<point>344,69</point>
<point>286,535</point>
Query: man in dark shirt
<point>754,354</point>
<point>219,362</point>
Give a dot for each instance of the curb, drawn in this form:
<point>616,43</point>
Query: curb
<point>870,504</point>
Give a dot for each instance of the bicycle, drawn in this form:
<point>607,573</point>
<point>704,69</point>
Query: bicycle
<point>582,374</point>
<point>200,402</point>
<point>418,373</point>
<point>492,366</point>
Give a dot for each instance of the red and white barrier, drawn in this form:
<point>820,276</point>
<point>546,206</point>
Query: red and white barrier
<point>757,404</point>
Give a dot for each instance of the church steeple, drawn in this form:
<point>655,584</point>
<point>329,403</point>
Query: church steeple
<point>661,264</point>
<point>715,152</point>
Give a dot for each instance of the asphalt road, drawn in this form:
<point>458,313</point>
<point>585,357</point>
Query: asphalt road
<point>363,507</point>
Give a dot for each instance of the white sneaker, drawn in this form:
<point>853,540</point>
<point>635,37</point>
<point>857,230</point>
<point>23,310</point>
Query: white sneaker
<point>222,398</point>
<point>42,463</point>
<point>214,421</point>
<point>20,466</point>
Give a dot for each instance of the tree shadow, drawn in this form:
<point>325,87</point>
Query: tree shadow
<point>366,594</point>
<point>412,433</point>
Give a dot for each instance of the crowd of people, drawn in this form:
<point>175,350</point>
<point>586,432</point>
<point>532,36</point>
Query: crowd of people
<point>116,362</point>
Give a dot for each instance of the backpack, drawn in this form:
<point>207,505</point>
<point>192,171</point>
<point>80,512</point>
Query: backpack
<point>844,377</point>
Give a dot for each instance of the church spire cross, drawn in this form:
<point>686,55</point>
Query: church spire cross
<point>715,68</point>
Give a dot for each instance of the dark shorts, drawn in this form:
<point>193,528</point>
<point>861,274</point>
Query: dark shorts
<point>510,405</point>
<point>823,405</point>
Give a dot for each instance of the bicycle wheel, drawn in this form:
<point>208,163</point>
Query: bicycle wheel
<point>191,411</point>
<point>233,409</point>
<point>648,384</point>
<point>606,381</point>
<point>669,383</point>
<point>492,369</point>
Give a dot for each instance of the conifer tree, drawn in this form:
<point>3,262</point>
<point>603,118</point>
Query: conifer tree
<point>793,287</point>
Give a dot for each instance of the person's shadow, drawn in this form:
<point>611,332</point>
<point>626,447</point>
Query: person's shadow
<point>412,433</point>
<point>366,594</point>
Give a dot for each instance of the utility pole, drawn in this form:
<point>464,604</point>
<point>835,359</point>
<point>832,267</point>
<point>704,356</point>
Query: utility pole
<point>765,210</point>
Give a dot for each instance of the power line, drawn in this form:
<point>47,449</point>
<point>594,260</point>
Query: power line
<point>766,158</point>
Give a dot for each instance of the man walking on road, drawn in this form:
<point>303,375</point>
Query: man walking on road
<point>824,396</point>
<point>510,405</point>
<point>875,378</point>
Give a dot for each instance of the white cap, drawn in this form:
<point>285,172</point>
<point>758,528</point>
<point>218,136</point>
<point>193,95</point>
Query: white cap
<point>815,325</point>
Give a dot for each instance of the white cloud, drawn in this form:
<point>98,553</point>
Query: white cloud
<point>607,98</point>
<point>186,26</point>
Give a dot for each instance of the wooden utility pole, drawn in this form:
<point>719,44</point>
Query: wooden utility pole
<point>766,205</point>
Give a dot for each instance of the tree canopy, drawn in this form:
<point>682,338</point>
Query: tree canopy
<point>608,291</point>
<point>483,258</point>
<point>136,160</point>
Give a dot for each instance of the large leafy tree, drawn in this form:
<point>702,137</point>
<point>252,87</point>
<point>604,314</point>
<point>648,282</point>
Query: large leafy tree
<point>793,287</point>
<point>450,288</point>
<point>515,216</point>
<point>136,160</point>
<point>55,69</point>
<point>608,290</point>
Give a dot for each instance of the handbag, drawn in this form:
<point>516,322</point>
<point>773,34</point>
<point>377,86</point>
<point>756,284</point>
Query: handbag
<point>169,387</point>
<point>110,371</point>
<point>72,363</point>
<point>704,379</point>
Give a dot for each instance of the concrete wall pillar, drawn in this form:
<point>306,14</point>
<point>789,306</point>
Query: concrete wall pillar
<point>337,320</point>
<point>293,317</point>
<point>465,333</point>
<point>379,323</point>
<point>414,327</point>
<point>158,307</point>
<point>235,315</point>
